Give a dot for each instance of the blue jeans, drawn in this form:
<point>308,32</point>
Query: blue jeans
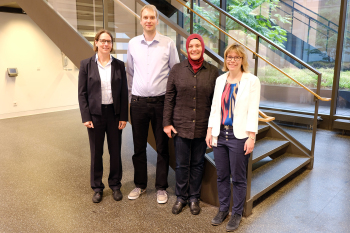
<point>231,161</point>
<point>189,155</point>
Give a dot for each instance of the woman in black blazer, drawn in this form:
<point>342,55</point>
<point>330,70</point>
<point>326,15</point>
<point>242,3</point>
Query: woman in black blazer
<point>103,102</point>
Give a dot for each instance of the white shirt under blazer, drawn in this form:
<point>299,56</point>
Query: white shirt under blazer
<point>246,111</point>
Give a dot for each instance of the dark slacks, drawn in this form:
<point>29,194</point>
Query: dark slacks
<point>230,160</point>
<point>107,123</point>
<point>143,111</point>
<point>189,155</point>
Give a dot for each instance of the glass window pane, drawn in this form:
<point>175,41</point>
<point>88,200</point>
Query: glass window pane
<point>343,101</point>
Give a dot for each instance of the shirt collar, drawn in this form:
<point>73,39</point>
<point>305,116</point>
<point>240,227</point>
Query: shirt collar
<point>110,59</point>
<point>156,38</point>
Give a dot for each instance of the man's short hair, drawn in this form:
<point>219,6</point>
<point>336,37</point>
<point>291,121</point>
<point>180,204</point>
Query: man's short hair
<point>150,7</point>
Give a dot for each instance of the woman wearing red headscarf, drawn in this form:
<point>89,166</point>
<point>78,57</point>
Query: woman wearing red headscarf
<point>187,105</point>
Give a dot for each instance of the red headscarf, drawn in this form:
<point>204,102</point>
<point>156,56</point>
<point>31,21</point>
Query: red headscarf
<point>196,64</point>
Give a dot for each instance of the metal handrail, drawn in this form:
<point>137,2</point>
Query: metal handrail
<point>309,17</point>
<point>128,9</point>
<point>311,12</point>
<point>267,40</point>
<point>265,118</point>
<point>179,30</point>
<point>260,35</point>
<point>327,27</point>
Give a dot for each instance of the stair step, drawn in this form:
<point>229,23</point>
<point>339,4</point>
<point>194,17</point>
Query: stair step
<point>292,117</point>
<point>210,157</point>
<point>341,124</point>
<point>97,12</point>
<point>89,8</point>
<point>262,128</point>
<point>89,5</point>
<point>268,176</point>
<point>267,146</point>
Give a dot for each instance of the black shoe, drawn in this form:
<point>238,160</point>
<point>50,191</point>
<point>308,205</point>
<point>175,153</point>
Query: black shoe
<point>97,197</point>
<point>233,223</point>
<point>194,207</point>
<point>117,195</point>
<point>219,218</point>
<point>177,207</point>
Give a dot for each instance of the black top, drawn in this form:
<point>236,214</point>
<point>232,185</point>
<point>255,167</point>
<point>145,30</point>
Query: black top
<point>89,89</point>
<point>188,99</point>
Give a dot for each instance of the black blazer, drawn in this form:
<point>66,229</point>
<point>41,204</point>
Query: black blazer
<point>89,89</point>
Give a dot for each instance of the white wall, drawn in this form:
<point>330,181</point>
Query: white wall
<point>43,85</point>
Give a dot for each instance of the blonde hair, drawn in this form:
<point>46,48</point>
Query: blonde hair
<point>97,37</point>
<point>150,7</point>
<point>239,49</point>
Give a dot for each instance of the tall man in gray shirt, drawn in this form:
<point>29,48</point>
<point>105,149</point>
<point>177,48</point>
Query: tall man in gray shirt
<point>150,58</point>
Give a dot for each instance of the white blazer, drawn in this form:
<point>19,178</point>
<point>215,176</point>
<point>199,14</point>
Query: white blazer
<point>246,111</point>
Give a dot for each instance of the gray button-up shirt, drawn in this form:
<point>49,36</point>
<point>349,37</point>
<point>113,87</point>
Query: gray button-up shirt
<point>148,65</point>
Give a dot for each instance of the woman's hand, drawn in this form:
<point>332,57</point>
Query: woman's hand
<point>168,129</point>
<point>89,124</point>
<point>249,144</point>
<point>208,138</point>
<point>121,125</point>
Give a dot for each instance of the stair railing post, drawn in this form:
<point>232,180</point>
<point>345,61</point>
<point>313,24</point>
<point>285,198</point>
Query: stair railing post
<point>248,204</point>
<point>291,26</point>
<point>256,57</point>
<point>308,39</point>
<point>327,37</point>
<point>105,14</point>
<point>222,25</point>
<point>191,18</point>
<point>314,127</point>
<point>180,22</point>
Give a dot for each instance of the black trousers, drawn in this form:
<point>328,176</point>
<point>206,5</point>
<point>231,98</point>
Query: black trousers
<point>189,155</point>
<point>107,123</point>
<point>143,111</point>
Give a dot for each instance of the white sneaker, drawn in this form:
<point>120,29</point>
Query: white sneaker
<point>162,196</point>
<point>135,193</point>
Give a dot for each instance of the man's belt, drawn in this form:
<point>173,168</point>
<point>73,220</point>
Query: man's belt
<point>149,99</point>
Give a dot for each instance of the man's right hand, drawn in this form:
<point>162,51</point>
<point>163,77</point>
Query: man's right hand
<point>89,124</point>
<point>168,129</point>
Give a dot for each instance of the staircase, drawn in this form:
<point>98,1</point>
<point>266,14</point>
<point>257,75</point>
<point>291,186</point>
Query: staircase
<point>90,17</point>
<point>277,155</point>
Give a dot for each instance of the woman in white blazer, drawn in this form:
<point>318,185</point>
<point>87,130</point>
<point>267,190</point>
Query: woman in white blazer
<point>232,126</point>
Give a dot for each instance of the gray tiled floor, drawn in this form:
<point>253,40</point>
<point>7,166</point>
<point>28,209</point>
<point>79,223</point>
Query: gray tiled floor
<point>44,180</point>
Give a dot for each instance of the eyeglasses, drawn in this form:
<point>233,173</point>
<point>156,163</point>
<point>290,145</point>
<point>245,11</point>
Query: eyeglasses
<point>105,41</point>
<point>233,58</point>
